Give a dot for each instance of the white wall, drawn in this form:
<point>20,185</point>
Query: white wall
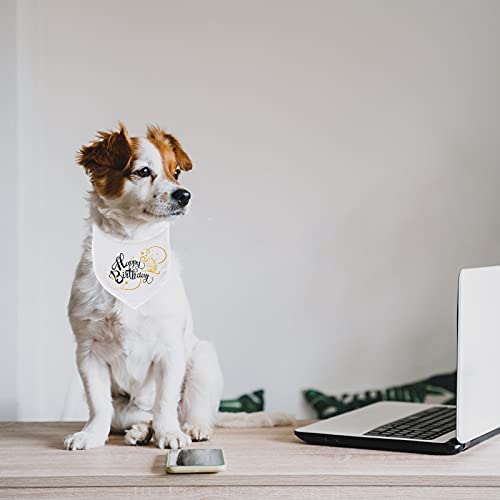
<point>346,167</point>
<point>8,212</point>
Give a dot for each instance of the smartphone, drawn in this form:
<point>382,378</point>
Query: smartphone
<point>189,461</point>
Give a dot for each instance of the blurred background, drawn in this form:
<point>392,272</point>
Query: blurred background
<point>346,166</point>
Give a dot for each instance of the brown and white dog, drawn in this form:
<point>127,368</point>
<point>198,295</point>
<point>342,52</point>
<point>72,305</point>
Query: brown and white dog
<point>139,365</point>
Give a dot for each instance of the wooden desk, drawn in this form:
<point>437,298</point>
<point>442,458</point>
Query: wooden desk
<point>261,463</point>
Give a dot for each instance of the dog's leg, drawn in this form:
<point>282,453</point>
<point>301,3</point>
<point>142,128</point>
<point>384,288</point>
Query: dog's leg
<point>169,374</point>
<point>97,382</point>
<point>202,392</point>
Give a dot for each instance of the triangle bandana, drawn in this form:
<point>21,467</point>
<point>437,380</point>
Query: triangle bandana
<point>131,270</point>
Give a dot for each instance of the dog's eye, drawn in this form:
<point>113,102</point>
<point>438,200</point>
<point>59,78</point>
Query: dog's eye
<point>143,172</point>
<point>177,173</point>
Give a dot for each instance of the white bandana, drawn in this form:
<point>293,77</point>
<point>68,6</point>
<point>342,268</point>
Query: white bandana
<point>131,270</point>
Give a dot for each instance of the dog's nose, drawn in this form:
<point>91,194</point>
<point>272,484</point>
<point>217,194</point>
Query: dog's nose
<point>181,196</point>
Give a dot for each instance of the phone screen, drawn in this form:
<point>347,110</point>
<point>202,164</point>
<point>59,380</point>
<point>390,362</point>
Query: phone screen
<point>200,458</point>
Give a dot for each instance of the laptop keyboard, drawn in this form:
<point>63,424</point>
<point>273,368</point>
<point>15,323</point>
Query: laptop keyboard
<point>427,424</point>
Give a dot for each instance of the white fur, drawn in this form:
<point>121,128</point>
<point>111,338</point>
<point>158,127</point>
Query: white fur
<point>144,365</point>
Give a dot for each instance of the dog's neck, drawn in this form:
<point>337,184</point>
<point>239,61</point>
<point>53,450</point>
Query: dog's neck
<point>120,224</point>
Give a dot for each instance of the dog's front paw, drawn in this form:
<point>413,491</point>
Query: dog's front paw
<point>198,432</point>
<point>84,440</point>
<point>172,439</point>
<point>139,434</point>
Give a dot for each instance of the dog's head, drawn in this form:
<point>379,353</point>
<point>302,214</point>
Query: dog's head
<point>138,176</point>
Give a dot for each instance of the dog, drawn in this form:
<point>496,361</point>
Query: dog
<point>144,372</point>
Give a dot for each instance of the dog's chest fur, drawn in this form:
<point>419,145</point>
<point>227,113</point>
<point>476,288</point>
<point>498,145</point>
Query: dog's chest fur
<point>129,350</point>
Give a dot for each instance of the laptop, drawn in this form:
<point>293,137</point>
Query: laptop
<point>437,429</point>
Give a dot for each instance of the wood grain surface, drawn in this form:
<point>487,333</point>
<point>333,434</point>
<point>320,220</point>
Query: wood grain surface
<point>269,463</point>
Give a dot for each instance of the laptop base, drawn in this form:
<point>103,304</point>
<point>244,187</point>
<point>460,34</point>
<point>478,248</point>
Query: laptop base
<point>451,447</point>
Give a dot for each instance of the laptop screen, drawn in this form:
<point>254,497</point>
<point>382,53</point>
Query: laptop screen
<point>478,356</point>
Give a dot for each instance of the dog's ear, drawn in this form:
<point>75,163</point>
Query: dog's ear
<point>107,160</point>
<point>157,134</point>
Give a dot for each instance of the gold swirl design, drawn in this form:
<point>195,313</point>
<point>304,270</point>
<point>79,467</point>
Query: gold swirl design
<point>151,261</point>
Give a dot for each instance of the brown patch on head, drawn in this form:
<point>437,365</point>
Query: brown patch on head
<point>171,151</point>
<point>108,161</point>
